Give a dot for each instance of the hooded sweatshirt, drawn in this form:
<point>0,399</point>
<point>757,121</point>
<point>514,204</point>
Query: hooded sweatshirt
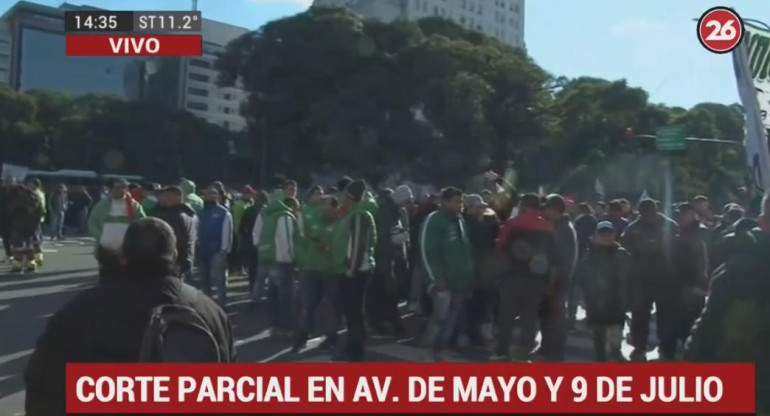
<point>110,218</point>
<point>354,240</point>
<point>275,232</point>
<point>191,199</point>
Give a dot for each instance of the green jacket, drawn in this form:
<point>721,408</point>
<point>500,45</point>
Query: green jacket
<point>445,252</point>
<point>353,242</point>
<point>239,207</point>
<point>110,218</point>
<point>270,216</point>
<point>369,204</point>
<point>193,200</point>
<point>149,203</point>
<point>314,249</point>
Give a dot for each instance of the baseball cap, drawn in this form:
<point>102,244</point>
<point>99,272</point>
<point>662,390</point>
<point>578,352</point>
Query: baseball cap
<point>605,227</point>
<point>475,200</point>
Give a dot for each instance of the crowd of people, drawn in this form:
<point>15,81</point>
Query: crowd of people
<point>497,266</point>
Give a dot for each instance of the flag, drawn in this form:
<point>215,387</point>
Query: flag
<point>599,187</point>
<point>754,89</point>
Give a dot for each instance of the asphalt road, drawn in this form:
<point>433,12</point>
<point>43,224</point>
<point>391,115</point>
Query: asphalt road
<point>27,301</point>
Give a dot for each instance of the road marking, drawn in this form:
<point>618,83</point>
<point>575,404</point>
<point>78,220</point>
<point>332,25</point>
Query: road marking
<point>50,250</point>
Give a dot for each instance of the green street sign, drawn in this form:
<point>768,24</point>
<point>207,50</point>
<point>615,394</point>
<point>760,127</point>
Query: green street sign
<point>671,139</point>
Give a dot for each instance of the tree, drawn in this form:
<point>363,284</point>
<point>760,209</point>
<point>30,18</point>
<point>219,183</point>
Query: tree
<point>428,98</point>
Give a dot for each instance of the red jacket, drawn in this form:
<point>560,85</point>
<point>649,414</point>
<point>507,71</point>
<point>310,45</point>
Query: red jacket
<point>528,221</point>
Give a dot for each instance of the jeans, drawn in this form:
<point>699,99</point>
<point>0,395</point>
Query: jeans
<point>353,288</point>
<point>214,272</point>
<point>57,224</point>
<point>281,295</point>
<point>447,308</point>
<point>317,287</point>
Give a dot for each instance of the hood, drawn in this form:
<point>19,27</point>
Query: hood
<point>368,203</point>
<point>188,186</point>
<point>277,207</point>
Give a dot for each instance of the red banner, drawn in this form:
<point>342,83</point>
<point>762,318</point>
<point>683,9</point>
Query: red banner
<point>411,387</point>
<point>134,45</point>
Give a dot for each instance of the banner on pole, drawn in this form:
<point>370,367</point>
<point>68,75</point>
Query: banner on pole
<point>753,77</point>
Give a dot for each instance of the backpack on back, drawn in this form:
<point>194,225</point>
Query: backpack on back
<point>177,333</point>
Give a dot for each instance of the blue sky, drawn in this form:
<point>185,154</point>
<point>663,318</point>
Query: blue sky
<point>651,43</point>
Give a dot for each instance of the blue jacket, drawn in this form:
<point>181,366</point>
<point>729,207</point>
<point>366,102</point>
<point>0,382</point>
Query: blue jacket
<point>215,230</point>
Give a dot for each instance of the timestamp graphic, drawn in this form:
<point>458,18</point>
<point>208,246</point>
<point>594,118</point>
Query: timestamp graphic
<point>133,33</point>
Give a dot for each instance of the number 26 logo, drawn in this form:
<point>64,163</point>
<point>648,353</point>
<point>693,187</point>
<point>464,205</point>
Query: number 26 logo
<point>720,29</point>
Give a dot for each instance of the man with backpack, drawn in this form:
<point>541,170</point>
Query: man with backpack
<point>125,318</point>
<point>734,326</point>
<point>529,242</point>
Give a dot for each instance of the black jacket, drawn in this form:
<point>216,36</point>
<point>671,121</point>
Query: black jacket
<point>602,277</point>
<point>585,226</point>
<point>388,219</point>
<point>567,246</point>
<point>735,324</point>
<point>183,221</point>
<point>106,324</point>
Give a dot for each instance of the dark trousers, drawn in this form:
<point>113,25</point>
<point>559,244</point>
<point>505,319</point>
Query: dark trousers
<point>553,326</point>
<point>665,300</point>
<point>382,300</point>
<point>480,311</point>
<point>353,288</point>
<point>520,298</point>
<point>317,287</point>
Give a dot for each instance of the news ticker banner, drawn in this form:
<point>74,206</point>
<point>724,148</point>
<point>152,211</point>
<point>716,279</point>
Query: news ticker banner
<point>410,388</point>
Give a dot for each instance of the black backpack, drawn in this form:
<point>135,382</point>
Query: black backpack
<point>177,333</point>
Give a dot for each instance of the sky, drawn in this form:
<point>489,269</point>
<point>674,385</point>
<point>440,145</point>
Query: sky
<point>650,43</point>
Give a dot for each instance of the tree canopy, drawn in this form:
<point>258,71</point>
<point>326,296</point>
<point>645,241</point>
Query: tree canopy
<point>425,100</point>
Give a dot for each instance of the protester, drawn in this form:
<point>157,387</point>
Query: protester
<point>108,323</point>
<point>80,205</point>
<point>733,326</point>
<point>382,293</point>
<point>585,226</point>
<point>483,229</point>
<point>23,209</point>
<point>322,281</point>
<point>311,217</point>
<point>276,234</point>
<point>404,200</point>
<point>417,296</point>
<point>529,242</point>
<point>215,239</point>
<point>691,268</point>
<point>108,222</point>
<point>236,260</point>
<point>190,197</point>
<point>249,253</point>
<point>150,193</point>
<point>649,240</point>
<point>615,216</point>
<point>36,186</point>
<point>602,277</point>
<point>446,265</point>
<point>57,205</point>
<point>352,247</point>
<point>181,217</point>
<point>600,210</point>
<point>553,322</point>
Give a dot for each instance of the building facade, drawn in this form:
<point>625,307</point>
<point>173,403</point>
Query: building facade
<point>501,19</point>
<point>202,96</point>
<point>35,41</point>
